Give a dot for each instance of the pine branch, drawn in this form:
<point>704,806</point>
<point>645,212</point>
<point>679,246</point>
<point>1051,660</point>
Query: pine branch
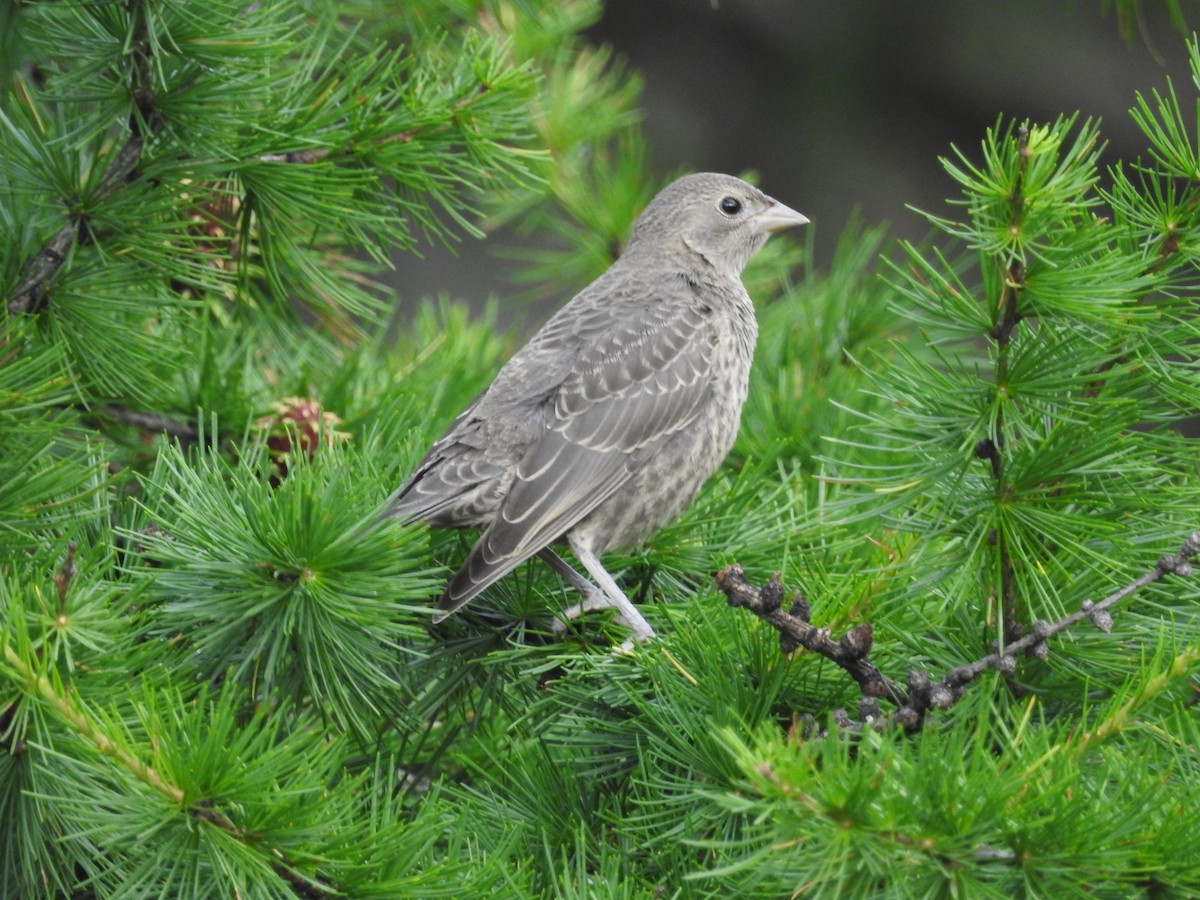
<point>851,650</point>
<point>316,154</point>
<point>143,123</point>
<point>71,712</point>
<point>1009,316</point>
<point>41,686</point>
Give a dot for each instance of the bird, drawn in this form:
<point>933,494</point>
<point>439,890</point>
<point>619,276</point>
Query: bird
<point>604,426</point>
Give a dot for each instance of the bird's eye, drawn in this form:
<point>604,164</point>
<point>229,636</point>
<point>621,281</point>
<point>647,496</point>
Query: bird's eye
<point>731,206</point>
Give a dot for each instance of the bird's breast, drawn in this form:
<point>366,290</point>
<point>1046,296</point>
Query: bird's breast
<point>667,479</point>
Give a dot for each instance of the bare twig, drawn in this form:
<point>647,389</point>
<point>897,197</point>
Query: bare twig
<point>1034,643</point>
<point>850,651</point>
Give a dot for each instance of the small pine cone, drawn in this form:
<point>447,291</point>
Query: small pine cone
<point>298,426</point>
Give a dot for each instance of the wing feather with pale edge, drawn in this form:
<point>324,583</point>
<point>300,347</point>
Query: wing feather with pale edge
<point>450,470</point>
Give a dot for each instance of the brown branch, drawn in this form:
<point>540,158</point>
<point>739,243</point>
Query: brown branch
<point>155,422</point>
<point>41,268</point>
<point>850,651</point>
<point>1034,643</point>
<point>31,293</point>
<point>986,449</point>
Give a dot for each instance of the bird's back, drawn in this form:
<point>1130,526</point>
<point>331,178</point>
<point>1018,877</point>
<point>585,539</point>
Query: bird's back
<point>462,480</point>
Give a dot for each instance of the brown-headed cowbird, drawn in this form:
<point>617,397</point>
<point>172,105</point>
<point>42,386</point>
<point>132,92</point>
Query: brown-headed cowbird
<point>605,425</point>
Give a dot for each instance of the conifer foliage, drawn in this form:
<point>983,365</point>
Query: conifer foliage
<point>217,672</point>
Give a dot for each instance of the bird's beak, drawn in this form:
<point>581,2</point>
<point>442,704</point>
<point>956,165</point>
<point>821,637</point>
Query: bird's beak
<point>777,217</point>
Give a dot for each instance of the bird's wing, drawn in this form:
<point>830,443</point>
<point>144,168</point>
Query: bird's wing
<point>452,468</point>
<point>631,387</point>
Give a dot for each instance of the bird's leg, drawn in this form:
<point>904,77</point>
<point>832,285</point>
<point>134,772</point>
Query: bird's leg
<point>604,596</point>
<point>593,597</point>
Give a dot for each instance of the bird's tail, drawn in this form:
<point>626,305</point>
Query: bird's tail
<point>484,566</point>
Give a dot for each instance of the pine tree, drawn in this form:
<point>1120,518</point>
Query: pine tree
<point>217,673</point>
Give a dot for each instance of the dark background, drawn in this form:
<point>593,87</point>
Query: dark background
<point>847,104</point>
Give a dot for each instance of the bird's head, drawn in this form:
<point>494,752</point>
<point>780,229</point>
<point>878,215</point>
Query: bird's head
<point>719,218</point>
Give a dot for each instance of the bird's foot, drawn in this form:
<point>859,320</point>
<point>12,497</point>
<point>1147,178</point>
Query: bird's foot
<point>596,599</point>
<point>590,603</point>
